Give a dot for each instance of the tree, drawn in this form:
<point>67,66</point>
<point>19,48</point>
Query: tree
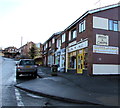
<point>32,51</point>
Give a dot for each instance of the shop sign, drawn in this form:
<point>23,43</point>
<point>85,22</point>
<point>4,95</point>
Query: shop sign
<point>73,48</point>
<point>82,45</point>
<point>78,46</point>
<point>105,49</point>
<point>72,43</point>
<point>102,39</point>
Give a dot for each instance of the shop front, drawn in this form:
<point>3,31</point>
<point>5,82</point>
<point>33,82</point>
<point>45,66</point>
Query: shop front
<point>77,57</point>
<point>60,59</point>
<point>51,58</point>
<point>57,59</point>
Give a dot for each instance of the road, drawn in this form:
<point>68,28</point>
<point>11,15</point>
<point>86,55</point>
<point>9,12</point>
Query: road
<point>12,96</point>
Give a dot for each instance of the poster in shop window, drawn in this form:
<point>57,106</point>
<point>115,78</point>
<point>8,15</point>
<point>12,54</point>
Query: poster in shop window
<point>102,39</point>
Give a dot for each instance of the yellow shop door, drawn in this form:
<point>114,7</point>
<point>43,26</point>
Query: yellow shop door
<point>80,62</point>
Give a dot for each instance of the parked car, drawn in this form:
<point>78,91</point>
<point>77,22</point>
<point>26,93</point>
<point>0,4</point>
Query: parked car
<point>26,66</point>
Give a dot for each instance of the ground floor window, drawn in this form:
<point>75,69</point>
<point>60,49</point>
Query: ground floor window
<point>57,60</point>
<point>72,60</point>
<point>62,61</point>
<point>82,59</point>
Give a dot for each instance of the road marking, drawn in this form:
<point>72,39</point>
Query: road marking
<point>34,96</point>
<point>18,98</point>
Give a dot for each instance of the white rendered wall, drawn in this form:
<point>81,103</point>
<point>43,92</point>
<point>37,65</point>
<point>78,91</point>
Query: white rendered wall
<point>100,23</point>
<point>101,69</point>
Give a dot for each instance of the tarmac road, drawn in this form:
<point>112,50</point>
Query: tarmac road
<point>12,96</point>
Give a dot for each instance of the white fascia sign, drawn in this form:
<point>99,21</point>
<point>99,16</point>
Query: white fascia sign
<point>82,45</point>
<point>78,46</point>
<point>72,43</point>
<point>105,49</point>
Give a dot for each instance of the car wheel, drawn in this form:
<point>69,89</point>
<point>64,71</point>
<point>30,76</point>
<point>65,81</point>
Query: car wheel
<point>35,75</point>
<point>17,75</point>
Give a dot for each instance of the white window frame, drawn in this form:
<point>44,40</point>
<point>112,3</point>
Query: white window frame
<point>53,40</point>
<point>63,37</point>
<point>49,43</point>
<point>58,43</point>
<point>46,45</point>
<point>100,23</point>
<point>69,35</point>
<point>74,35</point>
<point>82,26</point>
<point>112,25</point>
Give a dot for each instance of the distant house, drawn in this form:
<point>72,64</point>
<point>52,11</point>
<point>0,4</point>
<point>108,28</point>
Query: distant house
<point>24,50</point>
<point>1,52</point>
<point>38,55</point>
<point>10,52</point>
<point>49,50</point>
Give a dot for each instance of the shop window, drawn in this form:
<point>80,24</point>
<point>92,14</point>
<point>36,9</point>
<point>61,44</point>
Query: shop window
<point>72,60</point>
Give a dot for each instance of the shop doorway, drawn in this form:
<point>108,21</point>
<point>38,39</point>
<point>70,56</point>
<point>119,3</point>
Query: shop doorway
<point>80,61</point>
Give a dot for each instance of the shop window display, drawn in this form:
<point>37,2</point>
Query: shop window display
<point>72,60</point>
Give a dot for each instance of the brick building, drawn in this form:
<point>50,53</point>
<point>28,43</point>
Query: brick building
<point>90,45</point>
<point>10,52</point>
<point>24,50</point>
<point>49,49</point>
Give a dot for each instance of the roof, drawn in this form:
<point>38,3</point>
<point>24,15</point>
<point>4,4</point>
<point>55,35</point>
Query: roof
<point>104,8</point>
<point>93,11</point>
<point>84,15</point>
<point>57,33</point>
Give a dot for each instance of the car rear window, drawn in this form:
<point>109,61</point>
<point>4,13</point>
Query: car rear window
<point>27,62</point>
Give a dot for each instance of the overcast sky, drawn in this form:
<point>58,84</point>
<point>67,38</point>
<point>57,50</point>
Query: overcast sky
<point>37,20</point>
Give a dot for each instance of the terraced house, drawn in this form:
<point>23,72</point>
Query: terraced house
<point>90,45</point>
<point>49,49</point>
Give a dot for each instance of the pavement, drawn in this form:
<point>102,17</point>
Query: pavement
<point>96,90</point>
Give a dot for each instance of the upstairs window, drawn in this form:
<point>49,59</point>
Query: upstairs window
<point>63,37</point>
<point>49,43</point>
<point>113,25</point>
<point>53,40</point>
<point>82,26</point>
<point>73,34</point>
<point>46,45</point>
<point>58,43</point>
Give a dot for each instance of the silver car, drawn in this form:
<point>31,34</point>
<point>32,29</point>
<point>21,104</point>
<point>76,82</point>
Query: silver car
<point>26,66</point>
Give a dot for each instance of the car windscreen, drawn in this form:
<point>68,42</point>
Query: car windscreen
<point>27,62</point>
